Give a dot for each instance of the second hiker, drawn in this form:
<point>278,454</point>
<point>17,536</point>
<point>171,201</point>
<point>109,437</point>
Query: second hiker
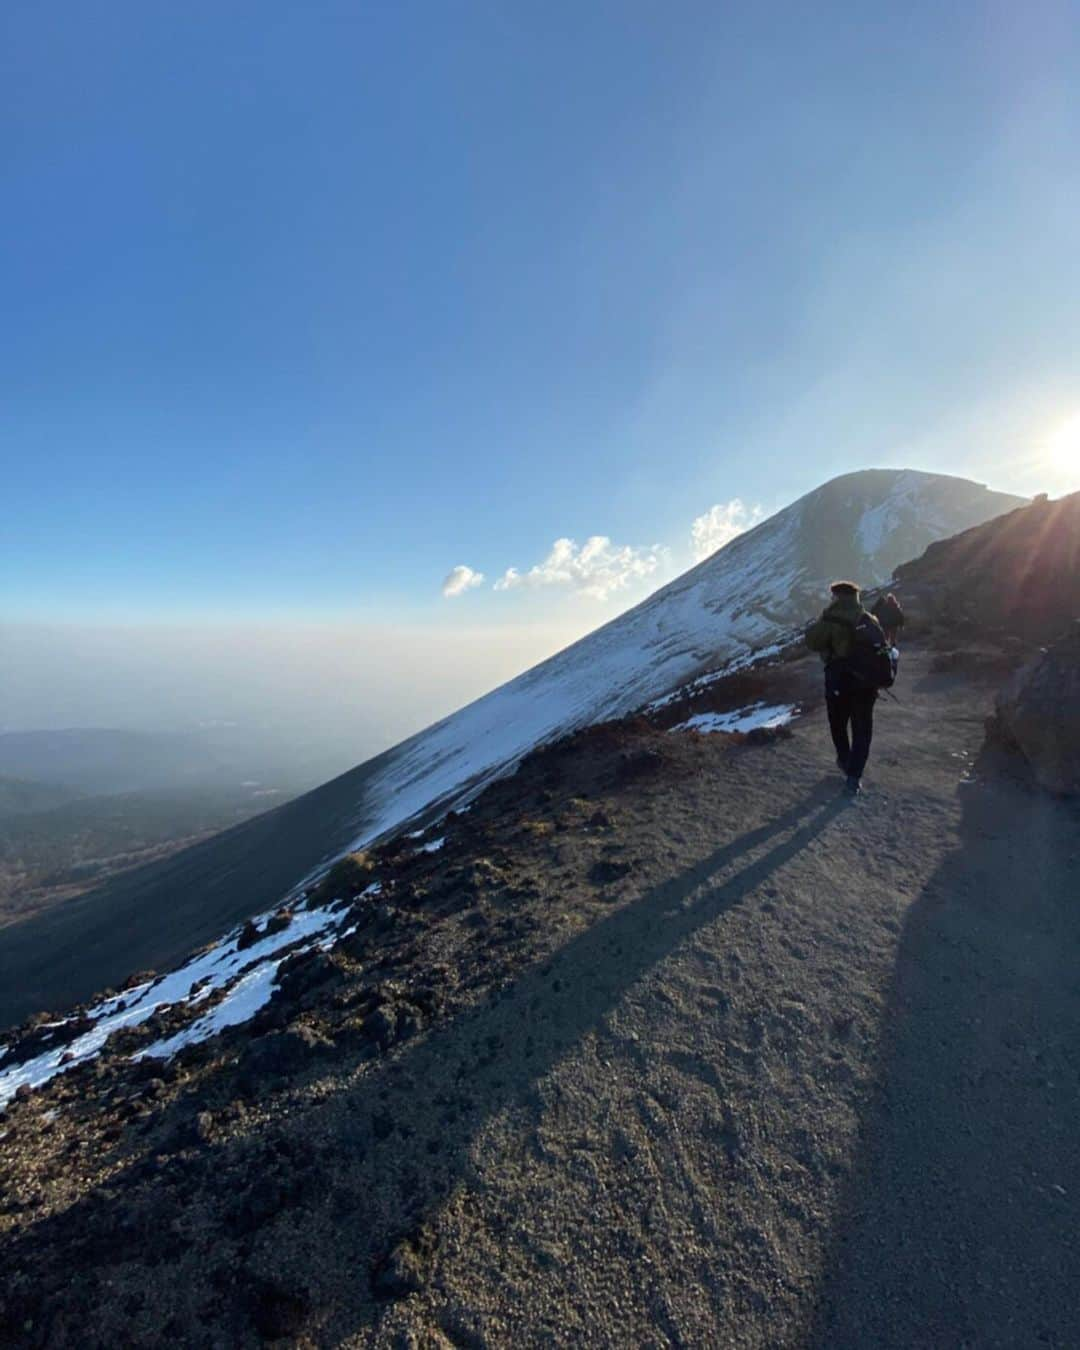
<point>854,651</point>
<point>889,613</point>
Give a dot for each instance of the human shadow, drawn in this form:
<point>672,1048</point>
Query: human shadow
<point>959,1228</point>
<point>400,1137</point>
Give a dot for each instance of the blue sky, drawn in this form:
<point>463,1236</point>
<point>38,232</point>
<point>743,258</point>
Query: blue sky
<point>304,305</point>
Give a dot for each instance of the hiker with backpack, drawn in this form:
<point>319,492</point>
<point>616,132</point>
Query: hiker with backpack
<point>858,663</point>
<point>890,614</point>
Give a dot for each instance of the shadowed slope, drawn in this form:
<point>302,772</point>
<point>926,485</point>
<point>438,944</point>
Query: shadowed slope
<point>1019,574</point>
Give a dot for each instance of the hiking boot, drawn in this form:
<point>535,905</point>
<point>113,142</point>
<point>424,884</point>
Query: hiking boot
<point>841,764</point>
<point>852,787</point>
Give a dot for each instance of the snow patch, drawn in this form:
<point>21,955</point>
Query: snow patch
<point>247,974</point>
<point>712,676</point>
<point>907,499</point>
<point>251,992</point>
<point>741,719</point>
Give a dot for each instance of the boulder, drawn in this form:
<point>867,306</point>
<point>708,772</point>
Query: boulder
<point>349,877</point>
<point>306,970</point>
<point>405,1268</point>
<point>634,764</point>
<point>249,935</point>
<point>604,872</point>
<point>1038,714</point>
<point>281,1052</point>
<point>277,923</point>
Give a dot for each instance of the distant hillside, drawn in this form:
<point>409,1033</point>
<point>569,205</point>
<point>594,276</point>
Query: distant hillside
<point>102,759</point>
<point>63,845</point>
<point>20,795</point>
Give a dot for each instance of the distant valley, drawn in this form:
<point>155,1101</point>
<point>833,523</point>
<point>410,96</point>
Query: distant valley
<point>54,853</point>
<point>81,805</point>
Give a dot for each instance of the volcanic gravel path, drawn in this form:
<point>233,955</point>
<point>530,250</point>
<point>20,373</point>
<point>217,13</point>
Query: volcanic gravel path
<point>753,1066</point>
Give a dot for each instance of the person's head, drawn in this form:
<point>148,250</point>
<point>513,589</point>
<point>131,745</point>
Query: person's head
<point>844,590</point>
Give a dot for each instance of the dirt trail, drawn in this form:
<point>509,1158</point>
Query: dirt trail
<point>805,1072</point>
<point>716,1145</point>
<point>962,1227</point>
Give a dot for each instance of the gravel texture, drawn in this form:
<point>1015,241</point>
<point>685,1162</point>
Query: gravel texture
<point>669,1044</point>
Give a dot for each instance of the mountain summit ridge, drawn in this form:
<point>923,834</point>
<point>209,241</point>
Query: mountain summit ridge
<point>740,600</point>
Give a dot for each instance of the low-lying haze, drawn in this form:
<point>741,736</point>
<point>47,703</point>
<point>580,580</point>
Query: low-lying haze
<point>321,697</point>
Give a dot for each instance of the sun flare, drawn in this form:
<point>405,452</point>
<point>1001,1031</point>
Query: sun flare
<point>1063,446</point>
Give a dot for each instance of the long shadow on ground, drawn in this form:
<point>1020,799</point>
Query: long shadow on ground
<point>961,1223</point>
<point>366,1169</point>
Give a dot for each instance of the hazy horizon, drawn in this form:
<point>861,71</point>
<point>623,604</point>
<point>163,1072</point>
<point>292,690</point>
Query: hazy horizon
<point>331,695</point>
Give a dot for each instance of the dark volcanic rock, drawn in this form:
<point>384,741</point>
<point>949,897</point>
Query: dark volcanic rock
<point>766,735</point>
<point>1038,714</point>
<point>280,1052</point>
<point>635,764</point>
<point>277,923</point>
<point>277,1311</point>
<point>305,971</point>
<point>348,877</point>
<point>604,872</point>
<point>263,1200</point>
<point>1018,575</point>
<point>249,935</point>
<point>404,1269</point>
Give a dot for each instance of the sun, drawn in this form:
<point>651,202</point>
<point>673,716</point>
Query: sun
<point>1063,446</point>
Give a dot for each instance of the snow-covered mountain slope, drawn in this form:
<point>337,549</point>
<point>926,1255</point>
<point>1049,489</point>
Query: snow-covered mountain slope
<point>741,600</point>
<point>731,608</point>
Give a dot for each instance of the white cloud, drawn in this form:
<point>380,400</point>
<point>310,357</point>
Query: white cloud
<point>459,580</point>
<point>720,524</point>
<point>597,569</point>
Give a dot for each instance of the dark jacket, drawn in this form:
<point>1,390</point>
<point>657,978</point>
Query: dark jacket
<point>834,633</point>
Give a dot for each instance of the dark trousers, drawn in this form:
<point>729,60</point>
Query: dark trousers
<point>850,708</point>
